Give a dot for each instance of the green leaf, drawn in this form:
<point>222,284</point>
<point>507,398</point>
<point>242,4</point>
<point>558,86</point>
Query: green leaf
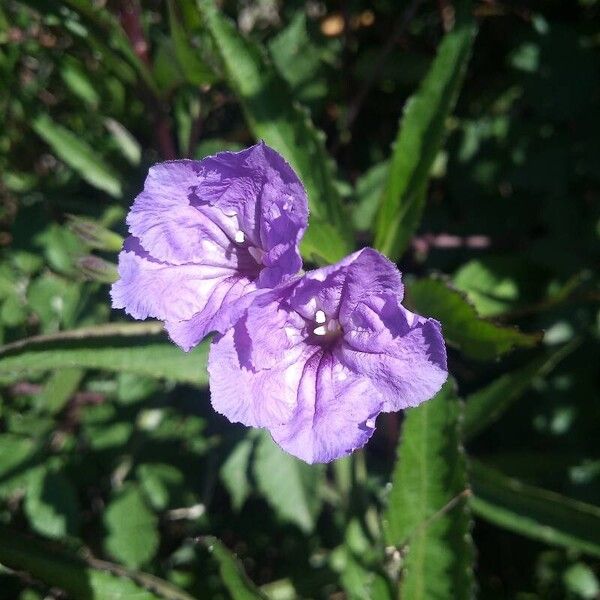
<point>234,472</point>
<point>427,508</point>
<point>18,455</point>
<point>51,504</point>
<point>132,528</point>
<point>298,58</point>
<point>534,512</point>
<point>159,482</point>
<point>59,388</point>
<point>297,501</point>
<point>486,405</point>
<point>476,337</point>
<point>232,573</point>
<point>70,148</point>
<point>88,579</point>
<point>368,192</point>
<point>139,348</point>
<point>193,68</point>
<point>419,139</point>
<point>273,116</point>
<point>127,145</point>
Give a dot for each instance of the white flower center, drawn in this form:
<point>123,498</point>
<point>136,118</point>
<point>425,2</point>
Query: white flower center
<point>239,237</point>
<point>325,326</point>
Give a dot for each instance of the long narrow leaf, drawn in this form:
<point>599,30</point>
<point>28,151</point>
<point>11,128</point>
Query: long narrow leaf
<point>419,139</point>
<point>534,512</point>
<point>78,155</point>
<point>134,348</point>
<point>88,579</point>
<point>487,404</point>
<point>275,117</point>
<point>232,573</point>
<point>427,512</point>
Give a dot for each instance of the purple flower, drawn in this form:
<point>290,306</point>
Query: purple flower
<point>207,237</point>
<point>316,360</point>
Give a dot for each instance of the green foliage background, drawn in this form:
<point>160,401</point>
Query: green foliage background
<point>459,138</point>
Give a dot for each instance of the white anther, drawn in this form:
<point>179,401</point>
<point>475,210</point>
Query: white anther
<point>370,423</point>
<point>320,317</point>
<point>240,238</point>
<point>321,330</point>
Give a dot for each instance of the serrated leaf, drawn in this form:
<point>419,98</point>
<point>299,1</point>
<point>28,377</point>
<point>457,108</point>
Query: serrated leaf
<point>297,501</point>
<point>132,528</point>
<point>534,512</point>
<point>234,472</point>
<point>477,338</point>
<point>232,573</point>
<point>82,579</point>
<point>75,152</point>
<point>51,504</point>
<point>419,139</point>
<point>486,405</point>
<point>273,116</point>
<point>427,509</point>
<point>139,348</point>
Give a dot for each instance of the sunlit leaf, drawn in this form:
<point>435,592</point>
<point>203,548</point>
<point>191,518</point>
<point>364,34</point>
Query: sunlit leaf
<point>139,348</point>
<point>422,131</point>
<point>74,151</point>
<point>461,325</point>
<point>51,504</point>
<point>131,528</point>
<point>427,513</point>
<point>297,501</point>
<point>274,117</point>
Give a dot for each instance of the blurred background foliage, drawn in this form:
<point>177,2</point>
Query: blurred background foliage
<point>117,480</point>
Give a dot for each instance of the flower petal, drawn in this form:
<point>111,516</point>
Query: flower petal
<point>408,369</point>
<point>259,399</point>
<point>335,412</point>
<point>150,288</point>
<point>174,231</point>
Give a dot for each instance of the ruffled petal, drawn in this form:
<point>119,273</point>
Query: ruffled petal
<point>335,412</point>
<point>408,369</point>
<point>173,230</point>
<point>150,288</point>
<point>259,399</point>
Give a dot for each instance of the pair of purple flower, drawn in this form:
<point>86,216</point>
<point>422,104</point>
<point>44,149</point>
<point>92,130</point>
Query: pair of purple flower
<point>313,357</point>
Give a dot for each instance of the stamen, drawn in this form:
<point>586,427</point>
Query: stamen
<point>240,238</point>
<point>321,330</point>
<point>320,317</point>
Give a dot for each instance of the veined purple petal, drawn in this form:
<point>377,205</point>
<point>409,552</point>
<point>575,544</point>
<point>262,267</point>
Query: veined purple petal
<point>316,360</point>
<point>207,236</point>
<point>150,288</point>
